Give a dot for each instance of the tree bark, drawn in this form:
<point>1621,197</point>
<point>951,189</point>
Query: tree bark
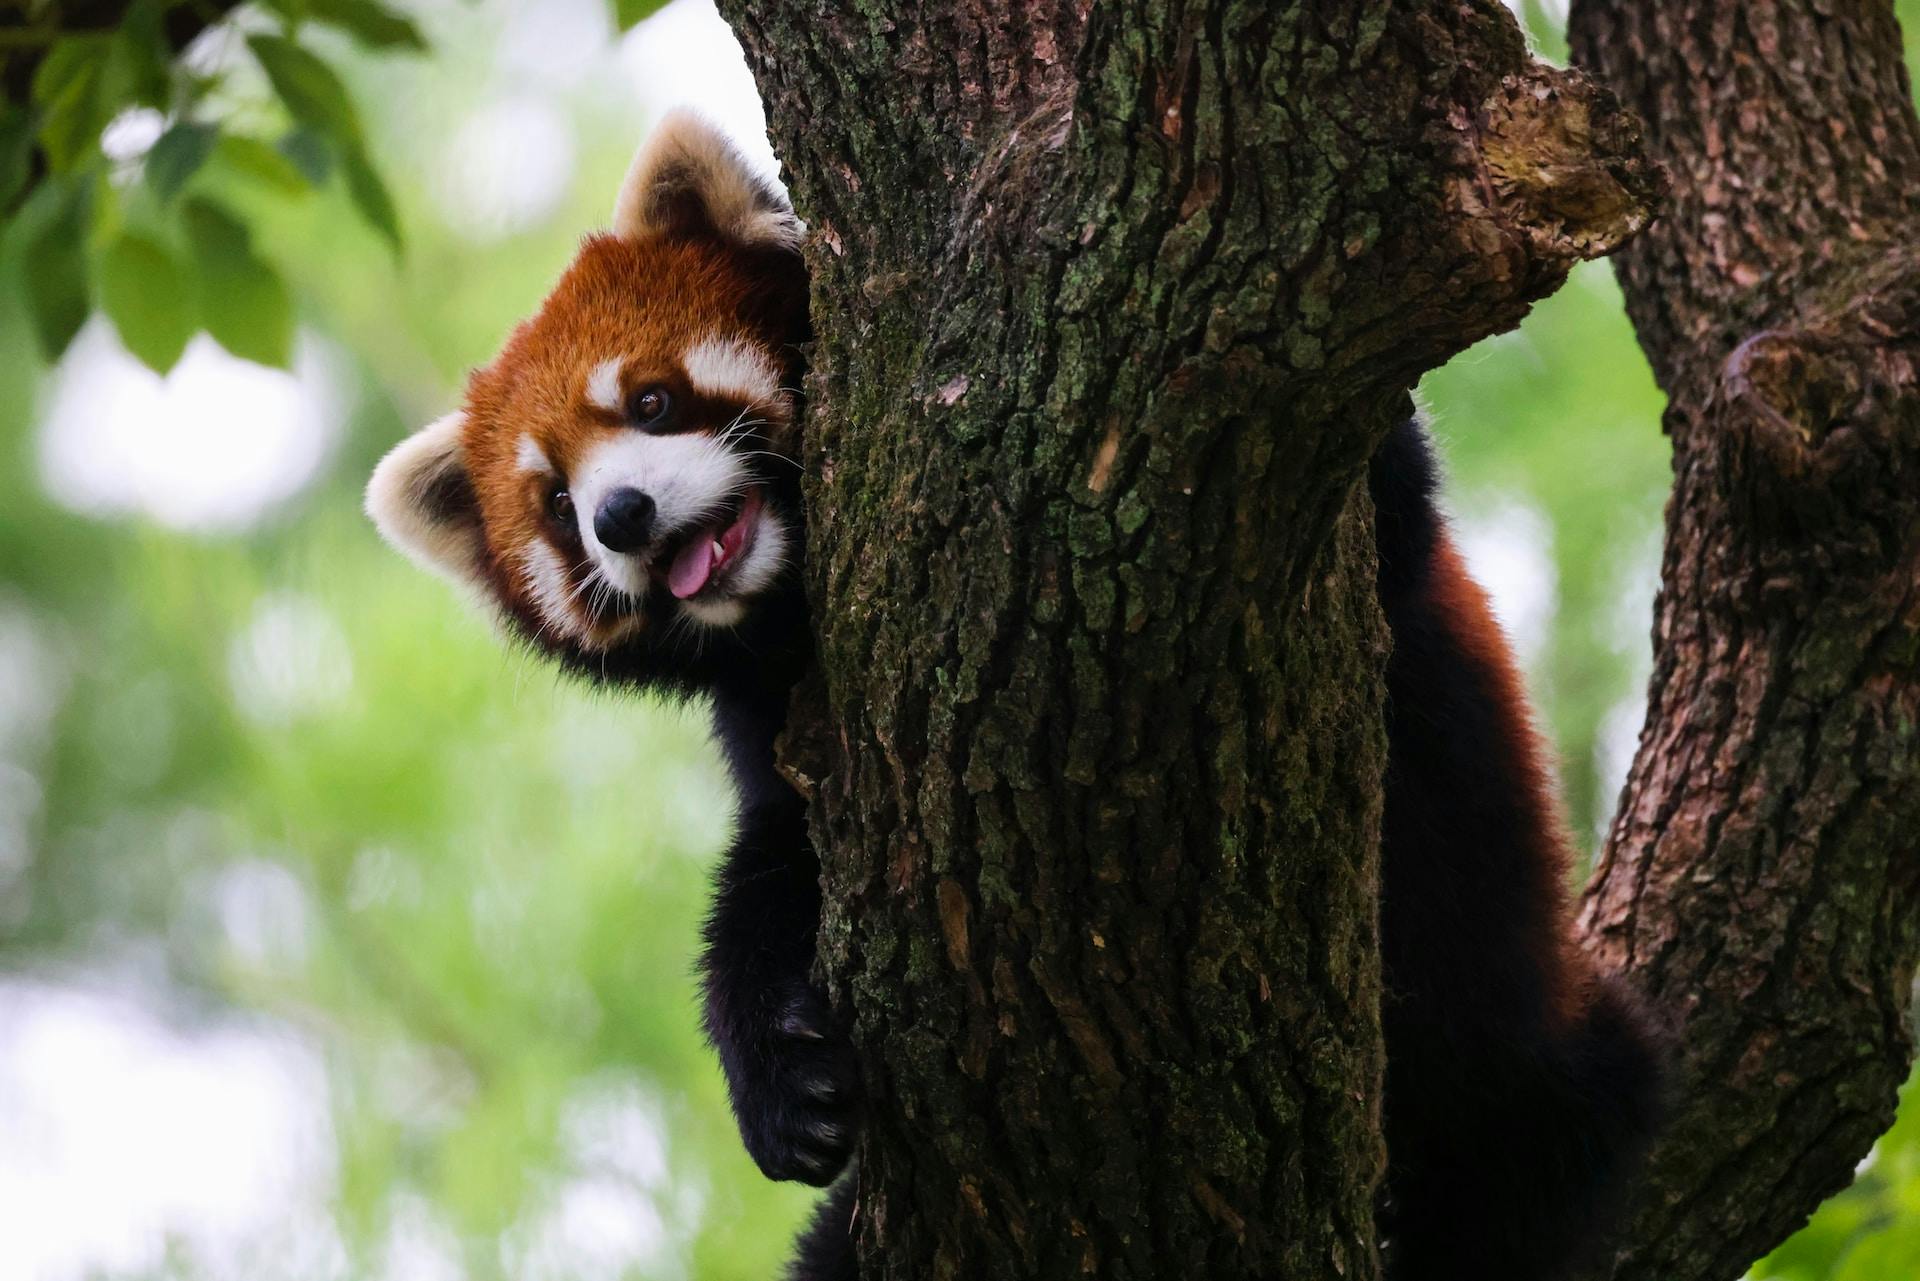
<point>1759,880</point>
<point>1113,302</point>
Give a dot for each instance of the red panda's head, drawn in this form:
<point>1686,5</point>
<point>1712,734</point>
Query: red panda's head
<point>624,470</point>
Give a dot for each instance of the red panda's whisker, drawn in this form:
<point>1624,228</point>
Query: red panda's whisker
<point>740,426</point>
<point>777,457</point>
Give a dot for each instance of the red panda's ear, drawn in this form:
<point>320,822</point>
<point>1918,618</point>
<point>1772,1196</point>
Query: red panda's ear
<point>421,498</point>
<point>689,181</point>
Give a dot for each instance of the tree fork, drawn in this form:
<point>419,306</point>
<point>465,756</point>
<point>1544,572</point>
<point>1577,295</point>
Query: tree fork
<point>1113,302</point>
<point>1759,880</point>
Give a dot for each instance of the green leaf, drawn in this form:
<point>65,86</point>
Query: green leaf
<point>256,160</point>
<point>69,90</point>
<point>630,13</point>
<point>145,294</point>
<point>16,153</point>
<point>242,300</point>
<point>142,58</point>
<point>309,87</point>
<point>369,22</point>
<point>70,61</point>
<point>370,196</point>
<point>310,153</point>
<point>178,156</point>
<point>53,265</point>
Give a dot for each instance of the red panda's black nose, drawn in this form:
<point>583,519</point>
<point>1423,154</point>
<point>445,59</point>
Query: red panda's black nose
<point>624,522</point>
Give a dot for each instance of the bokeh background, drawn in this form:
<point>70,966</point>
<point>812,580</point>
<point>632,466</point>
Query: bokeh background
<point>338,940</point>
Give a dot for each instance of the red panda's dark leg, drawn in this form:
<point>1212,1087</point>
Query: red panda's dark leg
<point>1519,1087</point>
<point>789,1071</point>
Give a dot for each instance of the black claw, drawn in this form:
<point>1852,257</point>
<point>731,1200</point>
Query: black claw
<point>797,1024</point>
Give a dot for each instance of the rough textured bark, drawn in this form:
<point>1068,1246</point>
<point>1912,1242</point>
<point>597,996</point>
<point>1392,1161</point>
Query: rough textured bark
<point>1759,881</point>
<point>1113,303</point>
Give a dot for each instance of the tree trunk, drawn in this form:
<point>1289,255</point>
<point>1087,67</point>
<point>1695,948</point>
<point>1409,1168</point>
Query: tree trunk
<point>1113,301</point>
<point>1759,882</point>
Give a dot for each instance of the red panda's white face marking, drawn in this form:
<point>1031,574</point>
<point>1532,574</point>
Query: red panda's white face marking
<point>625,463</point>
<point>532,458</point>
<point>734,368</point>
<point>603,386</point>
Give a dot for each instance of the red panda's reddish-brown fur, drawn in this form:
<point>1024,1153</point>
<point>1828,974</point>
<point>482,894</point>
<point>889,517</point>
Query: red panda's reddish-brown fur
<point>640,301</point>
<point>1523,760</point>
<point>1521,1083</point>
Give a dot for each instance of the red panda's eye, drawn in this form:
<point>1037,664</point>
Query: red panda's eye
<point>651,406</point>
<point>560,506</point>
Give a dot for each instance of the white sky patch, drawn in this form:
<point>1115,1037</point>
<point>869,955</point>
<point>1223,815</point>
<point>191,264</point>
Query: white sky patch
<point>618,1210</point>
<point>603,386</point>
<point>618,1127</point>
<point>264,912</point>
<point>127,1136</point>
<point>1630,624</point>
<point>291,661</point>
<point>551,43</point>
<point>419,1245</point>
<point>214,446</point>
<point>686,56</point>
<point>508,168</point>
<point>731,367</point>
<point>1508,547</point>
<point>1614,745</point>
<point>591,1229</point>
<point>1636,580</point>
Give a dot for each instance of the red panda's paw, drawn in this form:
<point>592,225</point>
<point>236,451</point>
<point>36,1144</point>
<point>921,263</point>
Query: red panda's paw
<point>799,1111</point>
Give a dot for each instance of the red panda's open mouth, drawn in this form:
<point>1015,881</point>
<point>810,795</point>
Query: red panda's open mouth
<point>704,554</point>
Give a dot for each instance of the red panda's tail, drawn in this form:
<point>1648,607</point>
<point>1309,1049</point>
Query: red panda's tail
<point>825,1249</point>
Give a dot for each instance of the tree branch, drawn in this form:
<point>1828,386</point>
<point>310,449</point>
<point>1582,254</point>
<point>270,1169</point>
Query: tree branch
<point>1759,881</point>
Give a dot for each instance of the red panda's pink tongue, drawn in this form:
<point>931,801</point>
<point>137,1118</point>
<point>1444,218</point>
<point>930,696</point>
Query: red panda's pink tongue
<point>691,568</point>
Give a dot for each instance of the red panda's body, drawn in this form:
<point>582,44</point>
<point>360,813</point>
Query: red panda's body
<point>621,485</point>
<point>1521,1084</point>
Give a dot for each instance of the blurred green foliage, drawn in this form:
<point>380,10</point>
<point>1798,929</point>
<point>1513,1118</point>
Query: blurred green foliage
<point>88,240</point>
<point>492,878</point>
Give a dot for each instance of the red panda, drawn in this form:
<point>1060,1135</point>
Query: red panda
<point>621,486</point>
<point>601,454</point>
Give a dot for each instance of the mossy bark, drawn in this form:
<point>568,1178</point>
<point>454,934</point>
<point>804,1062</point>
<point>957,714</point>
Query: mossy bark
<point>1760,880</point>
<point>1113,302</point>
